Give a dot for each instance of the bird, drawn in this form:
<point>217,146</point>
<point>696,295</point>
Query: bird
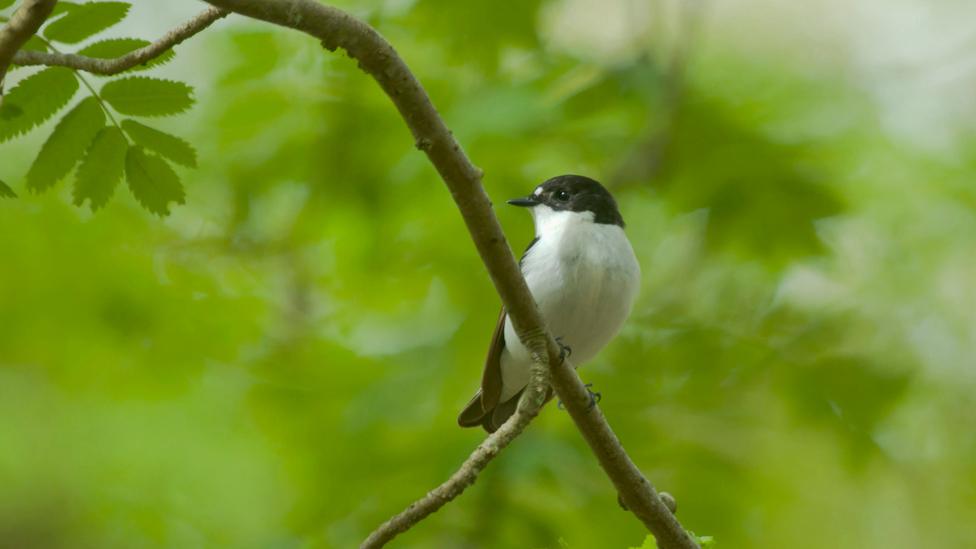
<point>584,276</point>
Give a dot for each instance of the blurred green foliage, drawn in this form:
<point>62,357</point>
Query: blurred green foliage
<point>279,362</point>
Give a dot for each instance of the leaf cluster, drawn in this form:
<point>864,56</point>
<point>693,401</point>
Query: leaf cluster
<point>100,135</point>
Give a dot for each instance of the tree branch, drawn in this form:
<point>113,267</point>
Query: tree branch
<point>129,60</point>
<point>22,25</point>
<point>377,57</point>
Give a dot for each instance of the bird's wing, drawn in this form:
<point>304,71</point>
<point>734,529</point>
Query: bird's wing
<point>479,410</point>
<point>491,378</point>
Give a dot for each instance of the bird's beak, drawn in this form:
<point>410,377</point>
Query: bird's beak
<point>526,202</point>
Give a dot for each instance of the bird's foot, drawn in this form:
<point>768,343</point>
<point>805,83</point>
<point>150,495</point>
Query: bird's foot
<point>594,398</point>
<point>565,351</point>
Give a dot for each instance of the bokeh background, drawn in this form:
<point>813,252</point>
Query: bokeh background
<point>279,363</point>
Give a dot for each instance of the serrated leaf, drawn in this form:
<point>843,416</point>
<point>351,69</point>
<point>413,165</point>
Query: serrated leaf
<point>152,181</point>
<point>66,145</point>
<point>35,99</point>
<point>86,20</point>
<point>6,191</point>
<point>117,47</point>
<point>144,96</point>
<point>167,145</point>
<point>62,7</point>
<point>102,168</point>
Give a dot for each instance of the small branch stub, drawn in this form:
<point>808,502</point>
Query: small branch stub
<point>424,144</point>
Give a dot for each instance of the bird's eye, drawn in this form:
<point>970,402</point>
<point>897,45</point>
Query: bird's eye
<point>561,196</point>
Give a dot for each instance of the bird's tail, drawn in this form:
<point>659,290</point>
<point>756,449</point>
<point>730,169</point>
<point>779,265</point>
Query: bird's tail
<point>474,414</point>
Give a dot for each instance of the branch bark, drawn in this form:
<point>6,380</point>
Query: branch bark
<point>22,25</point>
<point>129,60</point>
<point>377,57</point>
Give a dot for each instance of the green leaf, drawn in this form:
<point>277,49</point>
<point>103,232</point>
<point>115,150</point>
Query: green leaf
<point>62,7</point>
<point>86,20</point>
<point>167,145</point>
<point>649,543</point>
<point>152,181</point>
<point>6,191</point>
<point>66,145</point>
<point>35,99</point>
<point>117,47</point>
<point>4,4</point>
<point>34,44</point>
<point>102,168</point>
<point>143,96</point>
<point>705,542</point>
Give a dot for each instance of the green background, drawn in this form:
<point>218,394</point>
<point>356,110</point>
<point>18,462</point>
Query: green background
<point>279,363</point>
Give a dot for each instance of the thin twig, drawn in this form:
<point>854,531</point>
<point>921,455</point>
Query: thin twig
<point>26,20</point>
<point>134,58</point>
<point>528,407</point>
<point>377,57</point>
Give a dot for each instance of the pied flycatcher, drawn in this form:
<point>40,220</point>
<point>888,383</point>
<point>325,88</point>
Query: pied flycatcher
<point>584,277</point>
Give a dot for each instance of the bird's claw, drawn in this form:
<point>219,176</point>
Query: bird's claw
<point>565,351</point>
<point>595,397</point>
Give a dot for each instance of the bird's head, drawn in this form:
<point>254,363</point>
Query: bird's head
<point>565,195</point>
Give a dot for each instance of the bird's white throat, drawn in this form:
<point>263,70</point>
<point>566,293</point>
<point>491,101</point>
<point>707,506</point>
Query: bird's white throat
<point>554,223</point>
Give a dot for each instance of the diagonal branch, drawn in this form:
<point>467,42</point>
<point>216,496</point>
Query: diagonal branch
<point>377,57</point>
<point>129,60</point>
<point>22,25</point>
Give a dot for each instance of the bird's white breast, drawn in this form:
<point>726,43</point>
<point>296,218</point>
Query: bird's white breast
<point>584,277</point>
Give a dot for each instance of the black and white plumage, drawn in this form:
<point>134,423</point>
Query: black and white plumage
<point>584,276</point>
